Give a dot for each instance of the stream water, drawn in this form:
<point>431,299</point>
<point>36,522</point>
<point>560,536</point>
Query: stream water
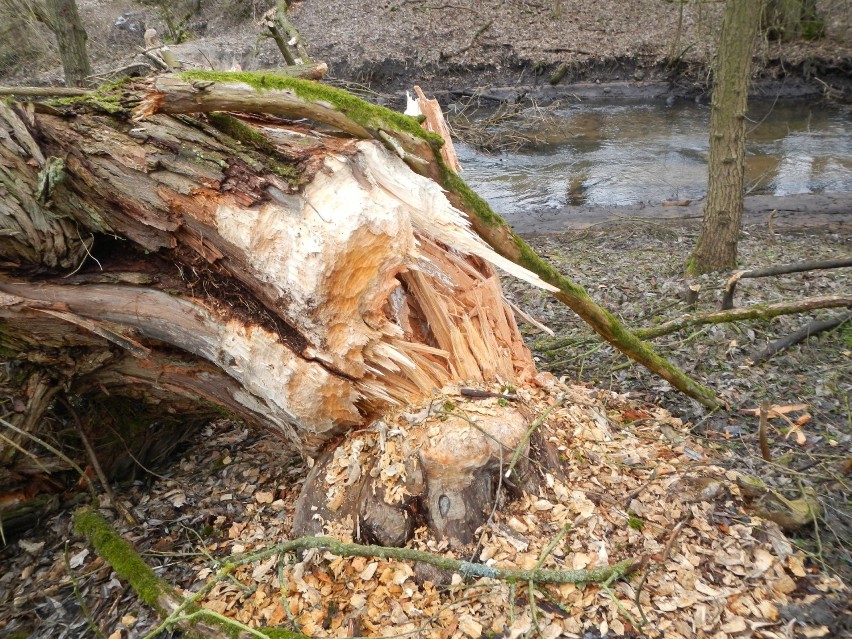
<point>633,154</point>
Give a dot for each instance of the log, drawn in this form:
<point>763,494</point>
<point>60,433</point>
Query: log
<point>779,269</point>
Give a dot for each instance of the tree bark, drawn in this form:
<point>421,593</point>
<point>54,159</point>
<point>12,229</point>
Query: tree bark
<point>71,39</point>
<point>717,243</point>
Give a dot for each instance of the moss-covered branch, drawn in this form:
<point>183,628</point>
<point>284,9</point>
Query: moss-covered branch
<point>464,568</point>
<point>157,593</point>
<point>197,621</point>
<point>126,562</point>
<point>757,311</point>
<point>494,230</point>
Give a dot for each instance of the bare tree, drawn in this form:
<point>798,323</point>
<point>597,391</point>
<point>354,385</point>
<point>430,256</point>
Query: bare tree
<point>717,243</point>
<point>63,19</point>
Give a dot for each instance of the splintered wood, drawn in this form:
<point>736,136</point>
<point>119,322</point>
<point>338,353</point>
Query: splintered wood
<point>711,571</point>
<point>436,123</point>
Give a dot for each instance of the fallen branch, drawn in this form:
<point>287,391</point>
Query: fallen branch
<point>464,568</point>
<point>44,92</point>
<point>758,311</point>
<point>781,269</point>
<point>185,613</point>
<point>272,23</point>
<point>813,328</point>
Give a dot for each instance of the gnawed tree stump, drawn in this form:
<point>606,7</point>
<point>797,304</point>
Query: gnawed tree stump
<point>308,281</point>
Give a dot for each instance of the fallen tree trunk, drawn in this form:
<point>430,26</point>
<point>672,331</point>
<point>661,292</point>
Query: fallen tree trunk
<point>173,267</point>
<point>202,91</point>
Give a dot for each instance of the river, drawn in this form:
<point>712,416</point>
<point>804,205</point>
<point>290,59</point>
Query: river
<point>599,157</point>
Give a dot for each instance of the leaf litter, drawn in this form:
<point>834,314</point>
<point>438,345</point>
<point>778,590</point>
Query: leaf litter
<point>711,569</point>
<point>635,483</point>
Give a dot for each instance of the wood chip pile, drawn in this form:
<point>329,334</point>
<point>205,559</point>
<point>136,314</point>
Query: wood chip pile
<point>627,491</point>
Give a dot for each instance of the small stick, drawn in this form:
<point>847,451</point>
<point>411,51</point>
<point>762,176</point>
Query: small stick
<point>761,430</point>
<point>90,450</point>
<point>58,453</point>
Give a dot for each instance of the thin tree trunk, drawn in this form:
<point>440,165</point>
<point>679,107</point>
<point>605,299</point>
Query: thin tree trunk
<point>71,38</point>
<point>717,244</point>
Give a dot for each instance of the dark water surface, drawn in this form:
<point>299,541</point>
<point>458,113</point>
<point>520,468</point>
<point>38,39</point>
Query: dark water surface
<point>608,155</point>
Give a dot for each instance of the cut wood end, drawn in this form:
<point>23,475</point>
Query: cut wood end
<point>150,105</point>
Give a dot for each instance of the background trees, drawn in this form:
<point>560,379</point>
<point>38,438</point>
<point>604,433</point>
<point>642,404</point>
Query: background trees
<point>63,19</point>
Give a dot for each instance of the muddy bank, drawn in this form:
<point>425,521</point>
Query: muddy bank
<point>604,87</point>
<point>833,211</point>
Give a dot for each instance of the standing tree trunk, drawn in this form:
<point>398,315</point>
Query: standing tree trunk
<point>71,39</point>
<point>717,244</point>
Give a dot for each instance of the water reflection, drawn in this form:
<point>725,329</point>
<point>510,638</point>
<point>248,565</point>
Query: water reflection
<point>629,154</point>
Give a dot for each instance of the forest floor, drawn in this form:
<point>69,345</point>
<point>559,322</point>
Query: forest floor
<point>639,479</point>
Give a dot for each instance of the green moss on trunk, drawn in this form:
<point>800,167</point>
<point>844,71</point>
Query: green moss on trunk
<point>123,558</point>
<point>370,116</point>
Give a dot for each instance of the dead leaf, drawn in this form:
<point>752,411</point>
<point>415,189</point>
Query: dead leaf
<point>31,547</point>
<point>369,571</point>
<point>78,559</point>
